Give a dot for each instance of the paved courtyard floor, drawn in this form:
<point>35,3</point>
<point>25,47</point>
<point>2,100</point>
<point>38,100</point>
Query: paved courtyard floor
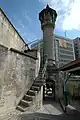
<point>51,110</point>
<point>51,107</point>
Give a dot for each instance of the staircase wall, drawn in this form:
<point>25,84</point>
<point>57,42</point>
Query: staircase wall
<point>17,73</point>
<point>37,102</point>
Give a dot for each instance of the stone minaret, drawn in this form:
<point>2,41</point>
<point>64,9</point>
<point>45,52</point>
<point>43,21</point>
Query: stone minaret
<point>47,18</point>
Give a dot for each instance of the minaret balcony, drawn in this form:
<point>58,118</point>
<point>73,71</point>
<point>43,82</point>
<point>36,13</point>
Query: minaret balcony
<point>49,23</point>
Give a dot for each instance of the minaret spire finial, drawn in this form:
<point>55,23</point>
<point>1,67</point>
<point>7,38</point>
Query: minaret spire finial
<point>47,6</point>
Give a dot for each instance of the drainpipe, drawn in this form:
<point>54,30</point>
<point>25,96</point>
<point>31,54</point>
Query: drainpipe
<point>66,78</point>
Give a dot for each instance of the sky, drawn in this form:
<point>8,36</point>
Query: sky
<point>24,15</point>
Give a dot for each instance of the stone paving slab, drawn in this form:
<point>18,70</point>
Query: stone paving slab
<point>52,107</point>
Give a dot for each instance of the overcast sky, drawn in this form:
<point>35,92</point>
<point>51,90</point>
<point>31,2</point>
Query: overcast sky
<point>24,16</point>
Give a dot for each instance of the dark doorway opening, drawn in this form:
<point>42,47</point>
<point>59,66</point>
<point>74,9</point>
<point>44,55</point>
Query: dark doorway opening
<point>49,90</point>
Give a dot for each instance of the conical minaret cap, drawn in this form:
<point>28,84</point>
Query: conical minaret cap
<point>50,10</point>
<point>47,6</point>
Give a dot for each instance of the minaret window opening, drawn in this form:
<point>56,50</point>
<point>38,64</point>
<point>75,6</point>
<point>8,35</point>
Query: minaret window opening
<point>47,16</point>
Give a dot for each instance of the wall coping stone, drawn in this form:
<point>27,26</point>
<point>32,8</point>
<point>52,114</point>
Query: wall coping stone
<point>22,53</point>
<point>4,46</point>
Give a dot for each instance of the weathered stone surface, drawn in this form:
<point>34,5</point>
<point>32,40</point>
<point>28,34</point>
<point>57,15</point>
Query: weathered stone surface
<point>17,73</point>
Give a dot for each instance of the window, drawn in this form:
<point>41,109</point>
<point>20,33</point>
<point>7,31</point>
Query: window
<point>77,51</point>
<point>76,47</point>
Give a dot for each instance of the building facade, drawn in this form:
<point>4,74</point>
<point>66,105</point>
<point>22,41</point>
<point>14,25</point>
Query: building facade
<point>63,47</point>
<point>77,47</point>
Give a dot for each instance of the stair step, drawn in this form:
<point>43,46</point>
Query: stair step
<point>40,72</point>
<point>21,108</point>
<point>25,103</point>
<point>35,88</point>
<point>37,84</point>
<point>28,97</point>
<point>41,68</point>
<point>32,92</point>
<point>38,81</point>
<point>39,78</point>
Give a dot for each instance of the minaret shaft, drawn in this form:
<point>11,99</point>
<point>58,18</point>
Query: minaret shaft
<point>48,44</point>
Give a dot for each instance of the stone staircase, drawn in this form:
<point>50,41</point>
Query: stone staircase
<point>29,98</point>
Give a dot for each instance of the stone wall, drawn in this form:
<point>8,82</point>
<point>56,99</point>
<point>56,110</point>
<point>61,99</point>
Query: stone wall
<point>74,87</point>
<point>38,61</point>
<point>9,36</point>
<point>17,72</point>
